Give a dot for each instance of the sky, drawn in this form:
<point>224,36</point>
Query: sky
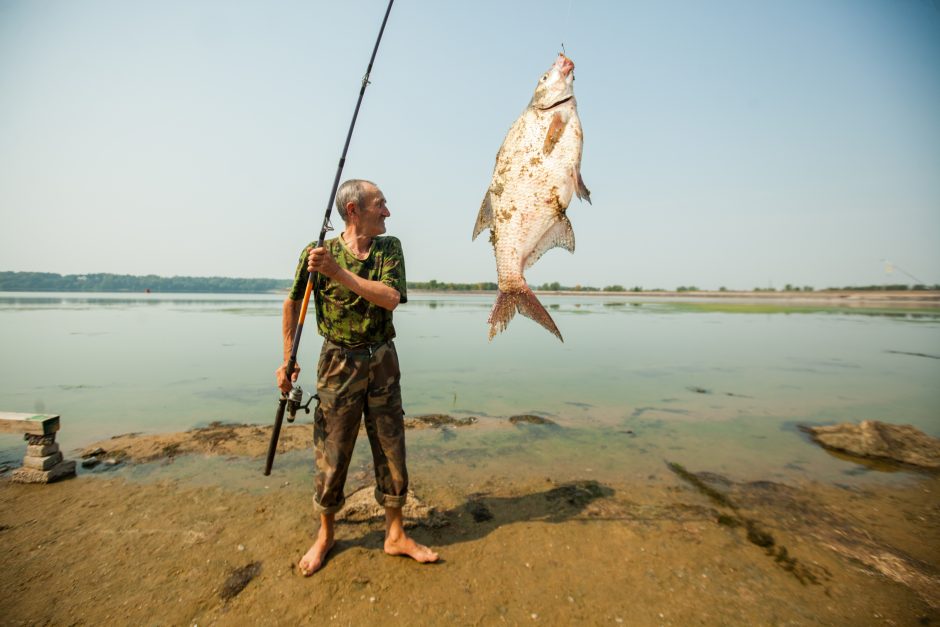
<point>734,143</point>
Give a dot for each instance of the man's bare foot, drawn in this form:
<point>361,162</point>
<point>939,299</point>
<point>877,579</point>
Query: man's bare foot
<point>316,556</point>
<point>404,545</point>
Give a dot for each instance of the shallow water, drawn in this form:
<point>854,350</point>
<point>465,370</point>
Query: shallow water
<point>716,386</point>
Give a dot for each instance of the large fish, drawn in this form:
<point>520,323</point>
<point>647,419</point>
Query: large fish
<point>538,169</point>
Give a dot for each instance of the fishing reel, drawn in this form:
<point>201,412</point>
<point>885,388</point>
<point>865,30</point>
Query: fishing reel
<point>294,400</point>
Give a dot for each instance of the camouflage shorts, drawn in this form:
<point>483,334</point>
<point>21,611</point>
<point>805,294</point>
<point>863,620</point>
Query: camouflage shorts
<point>351,383</point>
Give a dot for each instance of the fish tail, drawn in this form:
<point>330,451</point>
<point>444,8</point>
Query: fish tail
<point>526,303</point>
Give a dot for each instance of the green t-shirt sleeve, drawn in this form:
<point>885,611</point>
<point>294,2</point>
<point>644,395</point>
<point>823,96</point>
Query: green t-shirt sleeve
<point>299,288</point>
<point>392,272</point>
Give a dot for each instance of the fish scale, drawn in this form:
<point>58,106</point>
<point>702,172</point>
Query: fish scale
<point>537,171</point>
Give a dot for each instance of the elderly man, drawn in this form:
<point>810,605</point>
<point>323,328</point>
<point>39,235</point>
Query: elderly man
<point>363,280</point>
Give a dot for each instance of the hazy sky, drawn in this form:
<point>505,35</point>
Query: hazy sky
<point>738,143</point>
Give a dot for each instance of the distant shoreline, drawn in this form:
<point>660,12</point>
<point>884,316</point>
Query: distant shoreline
<point>924,298</point>
<point>153,284</point>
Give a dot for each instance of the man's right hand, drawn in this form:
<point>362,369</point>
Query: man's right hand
<point>283,383</point>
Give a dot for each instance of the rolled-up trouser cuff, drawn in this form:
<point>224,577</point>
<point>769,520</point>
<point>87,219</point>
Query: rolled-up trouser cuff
<point>389,500</point>
<point>332,509</point>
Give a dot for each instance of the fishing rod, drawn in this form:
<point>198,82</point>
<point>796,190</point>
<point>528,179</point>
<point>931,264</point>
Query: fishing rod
<point>291,401</point>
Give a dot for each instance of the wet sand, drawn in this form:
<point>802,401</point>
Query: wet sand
<point>230,439</point>
<point>216,439</point>
<point>690,547</point>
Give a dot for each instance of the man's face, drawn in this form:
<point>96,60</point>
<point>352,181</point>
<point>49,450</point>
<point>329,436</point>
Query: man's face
<point>372,214</point>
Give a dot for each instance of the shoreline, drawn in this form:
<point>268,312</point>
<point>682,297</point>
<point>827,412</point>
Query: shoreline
<point>224,439</point>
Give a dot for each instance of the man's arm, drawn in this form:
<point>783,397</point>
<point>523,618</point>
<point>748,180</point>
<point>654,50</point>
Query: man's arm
<point>289,318</point>
<point>376,292</point>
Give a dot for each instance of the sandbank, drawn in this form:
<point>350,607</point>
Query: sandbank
<point>683,546</point>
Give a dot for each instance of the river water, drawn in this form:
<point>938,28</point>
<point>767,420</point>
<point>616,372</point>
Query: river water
<point>715,386</point>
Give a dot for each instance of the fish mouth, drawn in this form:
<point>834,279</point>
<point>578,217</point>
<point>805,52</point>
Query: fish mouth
<point>556,104</point>
<point>563,64</point>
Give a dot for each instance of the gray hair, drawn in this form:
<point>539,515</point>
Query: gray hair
<point>353,190</point>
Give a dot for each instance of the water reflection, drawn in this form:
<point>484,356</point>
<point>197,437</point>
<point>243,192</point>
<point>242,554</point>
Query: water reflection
<point>65,300</point>
<point>424,302</point>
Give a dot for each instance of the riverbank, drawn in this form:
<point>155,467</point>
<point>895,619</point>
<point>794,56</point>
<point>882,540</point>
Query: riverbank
<point>680,546</point>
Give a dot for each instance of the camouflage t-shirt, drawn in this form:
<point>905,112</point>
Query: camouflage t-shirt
<point>343,316</point>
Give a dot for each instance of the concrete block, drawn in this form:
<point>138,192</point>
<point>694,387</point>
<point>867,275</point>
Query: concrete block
<point>38,424</point>
<point>41,450</point>
<point>42,463</point>
<point>31,475</point>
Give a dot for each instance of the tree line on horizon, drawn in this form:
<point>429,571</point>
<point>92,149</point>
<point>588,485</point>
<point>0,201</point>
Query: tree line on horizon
<point>105,282</point>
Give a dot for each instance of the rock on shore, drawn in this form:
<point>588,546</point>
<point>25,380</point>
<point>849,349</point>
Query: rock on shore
<point>879,440</point>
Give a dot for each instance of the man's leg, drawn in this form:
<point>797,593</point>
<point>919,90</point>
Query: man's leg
<point>341,387</point>
<point>397,543</point>
<point>316,556</point>
<point>386,430</point>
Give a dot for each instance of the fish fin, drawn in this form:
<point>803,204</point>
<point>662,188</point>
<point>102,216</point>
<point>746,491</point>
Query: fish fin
<point>559,234</point>
<point>526,303</point>
<point>485,217</point>
<point>581,189</point>
<point>555,129</point>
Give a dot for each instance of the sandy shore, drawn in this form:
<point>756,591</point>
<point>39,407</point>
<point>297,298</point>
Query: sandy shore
<point>689,547</point>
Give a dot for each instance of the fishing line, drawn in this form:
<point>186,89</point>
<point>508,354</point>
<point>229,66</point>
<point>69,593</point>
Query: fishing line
<point>566,22</point>
<point>890,267</point>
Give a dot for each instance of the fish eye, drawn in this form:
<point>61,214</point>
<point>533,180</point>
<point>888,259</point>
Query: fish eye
<point>544,76</point>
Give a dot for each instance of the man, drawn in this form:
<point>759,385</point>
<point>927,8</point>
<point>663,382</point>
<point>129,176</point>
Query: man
<point>363,280</point>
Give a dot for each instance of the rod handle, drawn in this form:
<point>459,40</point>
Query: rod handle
<point>275,434</point>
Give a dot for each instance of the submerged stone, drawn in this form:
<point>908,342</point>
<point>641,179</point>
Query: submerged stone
<point>878,440</point>
<point>531,419</point>
<point>438,420</point>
